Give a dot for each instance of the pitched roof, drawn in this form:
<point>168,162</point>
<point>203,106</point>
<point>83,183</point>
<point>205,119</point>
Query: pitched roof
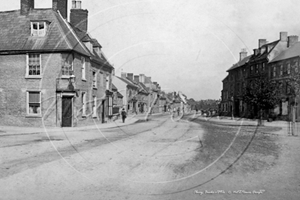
<point>120,95</point>
<point>240,63</point>
<point>144,88</point>
<point>113,87</point>
<point>15,34</point>
<point>265,54</point>
<point>125,80</point>
<point>291,52</point>
<point>226,78</point>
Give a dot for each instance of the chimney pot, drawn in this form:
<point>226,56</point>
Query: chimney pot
<point>26,6</point>
<point>76,4</point>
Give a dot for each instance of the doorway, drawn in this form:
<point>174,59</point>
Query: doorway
<point>67,111</point>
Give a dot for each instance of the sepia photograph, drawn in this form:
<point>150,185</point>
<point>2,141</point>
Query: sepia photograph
<point>149,100</point>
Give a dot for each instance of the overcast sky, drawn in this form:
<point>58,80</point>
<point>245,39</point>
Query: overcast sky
<point>184,45</point>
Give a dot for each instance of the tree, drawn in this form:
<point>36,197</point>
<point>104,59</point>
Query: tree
<point>262,94</point>
<point>294,84</point>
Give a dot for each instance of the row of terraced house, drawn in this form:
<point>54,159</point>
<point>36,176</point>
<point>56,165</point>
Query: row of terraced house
<point>54,73</point>
<point>277,61</point>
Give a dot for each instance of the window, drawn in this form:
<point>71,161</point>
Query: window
<point>94,79</point>
<point>288,68</point>
<point>274,70</point>
<point>38,29</point>
<point>281,70</point>
<point>34,65</point>
<point>263,67</point>
<point>83,68</point>
<point>67,65</point>
<point>83,99</point>
<point>256,69</point>
<point>34,103</point>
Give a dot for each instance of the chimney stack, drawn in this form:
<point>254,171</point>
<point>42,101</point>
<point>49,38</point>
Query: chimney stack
<point>292,40</point>
<point>243,54</point>
<point>142,78</point>
<point>261,42</point>
<point>130,76</point>
<point>79,16</point>
<point>137,78</point>
<point>123,75</point>
<point>61,6</point>
<point>255,51</point>
<point>147,80</point>
<point>283,36</point>
<point>26,6</point>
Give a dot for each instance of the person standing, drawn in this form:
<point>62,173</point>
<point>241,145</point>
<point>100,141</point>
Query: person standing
<point>123,114</point>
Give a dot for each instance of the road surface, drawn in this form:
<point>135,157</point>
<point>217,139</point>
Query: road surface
<point>162,158</point>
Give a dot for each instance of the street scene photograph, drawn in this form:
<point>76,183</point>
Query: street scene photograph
<point>149,100</point>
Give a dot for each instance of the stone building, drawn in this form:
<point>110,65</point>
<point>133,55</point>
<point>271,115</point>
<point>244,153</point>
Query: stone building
<point>272,61</point>
<point>52,72</point>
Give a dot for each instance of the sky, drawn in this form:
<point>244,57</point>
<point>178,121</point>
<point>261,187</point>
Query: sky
<point>184,45</point>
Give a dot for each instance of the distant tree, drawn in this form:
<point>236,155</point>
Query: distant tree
<point>262,94</point>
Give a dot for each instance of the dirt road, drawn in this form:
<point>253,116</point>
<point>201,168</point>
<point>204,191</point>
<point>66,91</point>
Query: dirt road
<point>158,159</point>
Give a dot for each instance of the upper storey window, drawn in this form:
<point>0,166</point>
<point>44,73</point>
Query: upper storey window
<point>38,29</point>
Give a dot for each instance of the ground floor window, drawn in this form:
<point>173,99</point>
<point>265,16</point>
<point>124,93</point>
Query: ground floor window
<point>33,103</point>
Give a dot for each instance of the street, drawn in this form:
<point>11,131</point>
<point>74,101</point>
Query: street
<point>162,158</point>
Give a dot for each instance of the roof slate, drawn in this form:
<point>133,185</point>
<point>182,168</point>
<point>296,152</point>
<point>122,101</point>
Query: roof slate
<point>240,63</point>
<point>127,82</point>
<point>15,34</point>
<point>293,51</point>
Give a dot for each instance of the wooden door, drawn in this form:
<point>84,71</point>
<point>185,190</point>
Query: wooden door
<point>67,112</point>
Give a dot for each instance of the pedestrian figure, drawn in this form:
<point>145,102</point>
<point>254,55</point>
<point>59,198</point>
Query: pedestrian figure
<point>123,113</point>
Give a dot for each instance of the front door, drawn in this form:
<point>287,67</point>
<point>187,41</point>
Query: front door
<point>66,111</point>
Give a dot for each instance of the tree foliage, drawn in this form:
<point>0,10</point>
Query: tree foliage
<point>263,93</point>
<point>294,84</point>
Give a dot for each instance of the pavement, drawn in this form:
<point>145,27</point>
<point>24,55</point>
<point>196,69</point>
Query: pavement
<point>286,127</point>
<point>95,125</point>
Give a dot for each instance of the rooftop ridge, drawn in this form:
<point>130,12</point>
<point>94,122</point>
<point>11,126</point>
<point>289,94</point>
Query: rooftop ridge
<point>17,10</point>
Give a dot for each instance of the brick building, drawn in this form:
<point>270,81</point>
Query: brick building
<point>52,72</point>
<point>282,69</point>
<point>271,60</point>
